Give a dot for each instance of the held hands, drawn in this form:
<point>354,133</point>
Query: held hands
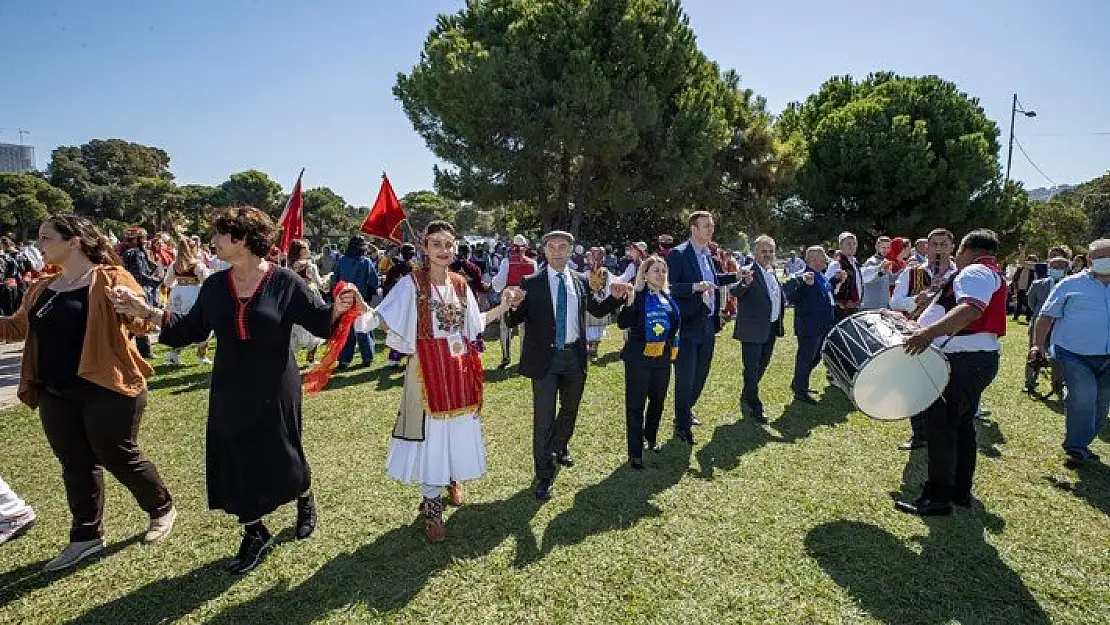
<point>128,303</point>
<point>620,289</point>
<point>841,275</point>
<point>703,286</point>
<point>745,275</point>
<point>512,296</point>
<point>808,278</point>
<point>349,298</point>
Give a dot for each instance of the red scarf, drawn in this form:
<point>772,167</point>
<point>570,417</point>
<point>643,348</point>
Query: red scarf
<point>315,380</point>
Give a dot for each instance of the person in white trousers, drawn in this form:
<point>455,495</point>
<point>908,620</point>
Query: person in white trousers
<point>16,517</point>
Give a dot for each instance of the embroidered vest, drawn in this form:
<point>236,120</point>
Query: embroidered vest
<point>519,268</point>
<point>850,291</point>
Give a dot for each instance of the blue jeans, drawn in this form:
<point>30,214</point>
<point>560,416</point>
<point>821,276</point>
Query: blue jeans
<point>365,348</point>
<point>1087,379</point>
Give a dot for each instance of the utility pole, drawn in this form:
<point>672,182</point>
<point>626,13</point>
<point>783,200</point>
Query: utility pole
<point>22,132</point>
<point>1014,110</point>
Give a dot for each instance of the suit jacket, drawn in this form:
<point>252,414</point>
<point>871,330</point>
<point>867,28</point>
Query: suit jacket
<point>683,273</point>
<point>753,310</point>
<point>632,318</point>
<point>814,313</point>
<point>1036,296</point>
<point>538,312</point>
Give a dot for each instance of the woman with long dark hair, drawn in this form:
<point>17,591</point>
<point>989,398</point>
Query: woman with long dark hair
<point>88,381</point>
<point>254,458</point>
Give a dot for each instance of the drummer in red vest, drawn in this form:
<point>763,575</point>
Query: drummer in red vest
<point>844,275</point>
<point>511,272</point>
<point>965,321</point>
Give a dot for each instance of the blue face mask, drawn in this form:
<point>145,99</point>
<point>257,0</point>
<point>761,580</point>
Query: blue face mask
<point>1057,274</point>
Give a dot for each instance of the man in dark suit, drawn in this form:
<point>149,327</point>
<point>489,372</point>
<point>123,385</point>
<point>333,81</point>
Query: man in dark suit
<point>553,355</point>
<point>814,315</point>
<point>694,281</point>
<point>759,309</point>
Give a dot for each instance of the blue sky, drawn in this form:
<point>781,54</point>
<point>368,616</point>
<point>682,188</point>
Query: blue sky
<point>228,85</point>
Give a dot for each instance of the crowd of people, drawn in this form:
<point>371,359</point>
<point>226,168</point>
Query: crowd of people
<point>85,322</point>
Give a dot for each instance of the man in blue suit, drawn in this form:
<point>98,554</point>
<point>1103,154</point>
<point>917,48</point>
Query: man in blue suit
<point>814,315</point>
<point>694,281</point>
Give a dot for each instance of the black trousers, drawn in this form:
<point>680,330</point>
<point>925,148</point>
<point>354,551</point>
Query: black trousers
<point>756,357</point>
<point>551,429</point>
<point>1021,306</point>
<point>91,429</point>
<point>644,386</point>
<point>950,426</point>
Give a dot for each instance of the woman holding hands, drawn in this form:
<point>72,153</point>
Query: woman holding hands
<point>254,458</point>
<point>651,317</point>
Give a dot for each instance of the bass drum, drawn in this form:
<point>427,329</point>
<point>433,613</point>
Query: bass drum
<point>864,356</point>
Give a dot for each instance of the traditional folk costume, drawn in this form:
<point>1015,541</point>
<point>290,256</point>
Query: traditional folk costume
<point>848,294</point>
<point>301,337</point>
<point>183,283</point>
<point>510,273</point>
<point>437,438</point>
<point>600,281</point>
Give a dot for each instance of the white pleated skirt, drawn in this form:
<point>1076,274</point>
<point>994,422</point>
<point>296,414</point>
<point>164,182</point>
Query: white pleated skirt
<point>452,450</point>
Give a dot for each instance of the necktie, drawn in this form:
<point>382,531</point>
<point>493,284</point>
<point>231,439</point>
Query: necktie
<point>561,313</point>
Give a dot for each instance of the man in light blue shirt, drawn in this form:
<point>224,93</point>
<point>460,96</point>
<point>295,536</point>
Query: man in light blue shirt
<point>1077,313</point>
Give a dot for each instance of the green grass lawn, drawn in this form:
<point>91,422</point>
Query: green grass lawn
<point>787,523</point>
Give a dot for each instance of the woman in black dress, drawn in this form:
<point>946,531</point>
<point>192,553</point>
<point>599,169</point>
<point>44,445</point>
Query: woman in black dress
<point>651,317</point>
<point>255,461</point>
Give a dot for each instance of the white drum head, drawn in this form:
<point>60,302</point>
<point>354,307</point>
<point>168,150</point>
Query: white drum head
<point>894,385</point>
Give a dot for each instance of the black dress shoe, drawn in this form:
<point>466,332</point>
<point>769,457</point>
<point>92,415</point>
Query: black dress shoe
<point>252,550</point>
<point>654,446</point>
<point>923,507</point>
<point>694,421</point>
<point>504,364</point>
<point>545,490</point>
<point>565,459</point>
<point>912,444</point>
<point>637,463</point>
<point>805,399</point>
<point>306,516</point>
<point>686,436</point>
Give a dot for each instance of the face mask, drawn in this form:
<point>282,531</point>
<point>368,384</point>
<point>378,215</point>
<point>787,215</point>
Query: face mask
<point>1101,265</point>
<point>1057,274</point>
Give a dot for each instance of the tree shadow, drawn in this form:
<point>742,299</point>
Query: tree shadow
<point>731,441</point>
<point>1093,485</point>
<point>31,577</point>
<point>388,573</point>
<point>165,600</point>
<point>620,500</point>
<point>956,577</point>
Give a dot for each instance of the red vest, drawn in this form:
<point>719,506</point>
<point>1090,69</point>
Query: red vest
<point>993,319</point>
<point>519,268</point>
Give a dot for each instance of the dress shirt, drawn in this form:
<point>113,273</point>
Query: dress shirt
<point>572,300</point>
<point>1080,304</point>
<point>708,274</point>
<point>774,292</point>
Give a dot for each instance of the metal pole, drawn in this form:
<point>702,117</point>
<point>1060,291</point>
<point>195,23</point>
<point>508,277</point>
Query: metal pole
<point>1010,152</point>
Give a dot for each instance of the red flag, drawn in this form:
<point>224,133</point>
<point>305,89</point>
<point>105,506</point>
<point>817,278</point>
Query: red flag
<point>386,216</point>
<point>292,218</point>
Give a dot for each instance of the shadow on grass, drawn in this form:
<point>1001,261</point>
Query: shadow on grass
<point>388,573</point>
<point>604,361</point>
<point>956,577</point>
<point>385,376</point>
<point>165,600</point>
<point>620,500</point>
<point>731,441</point>
<point>18,582</point>
<point>193,380</point>
<point>1093,485</point>
<point>989,438</point>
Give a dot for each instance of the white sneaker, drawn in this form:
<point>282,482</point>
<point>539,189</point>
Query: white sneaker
<point>205,361</point>
<point>161,527</point>
<point>74,553</point>
<point>13,527</point>
<point>173,359</point>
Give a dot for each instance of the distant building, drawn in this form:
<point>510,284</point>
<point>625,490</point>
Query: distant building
<point>16,158</point>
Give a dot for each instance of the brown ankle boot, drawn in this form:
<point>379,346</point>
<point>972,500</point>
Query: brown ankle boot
<point>432,512</point>
<point>455,494</point>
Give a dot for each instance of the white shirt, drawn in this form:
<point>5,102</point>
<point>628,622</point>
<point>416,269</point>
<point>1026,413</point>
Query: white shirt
<point>901,299</point>
<point>774,292</point>
<point>572,300</point>
<point>976,282</point>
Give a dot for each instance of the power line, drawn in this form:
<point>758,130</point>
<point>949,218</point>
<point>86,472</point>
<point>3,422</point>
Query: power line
<point>1068,134</point>
<point>1026,155</point>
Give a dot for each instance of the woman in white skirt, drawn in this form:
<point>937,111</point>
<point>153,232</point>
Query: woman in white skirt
<point>600,279</point>
<point>183,279</point>
<point>431,314</point>
<point>300,261</point>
